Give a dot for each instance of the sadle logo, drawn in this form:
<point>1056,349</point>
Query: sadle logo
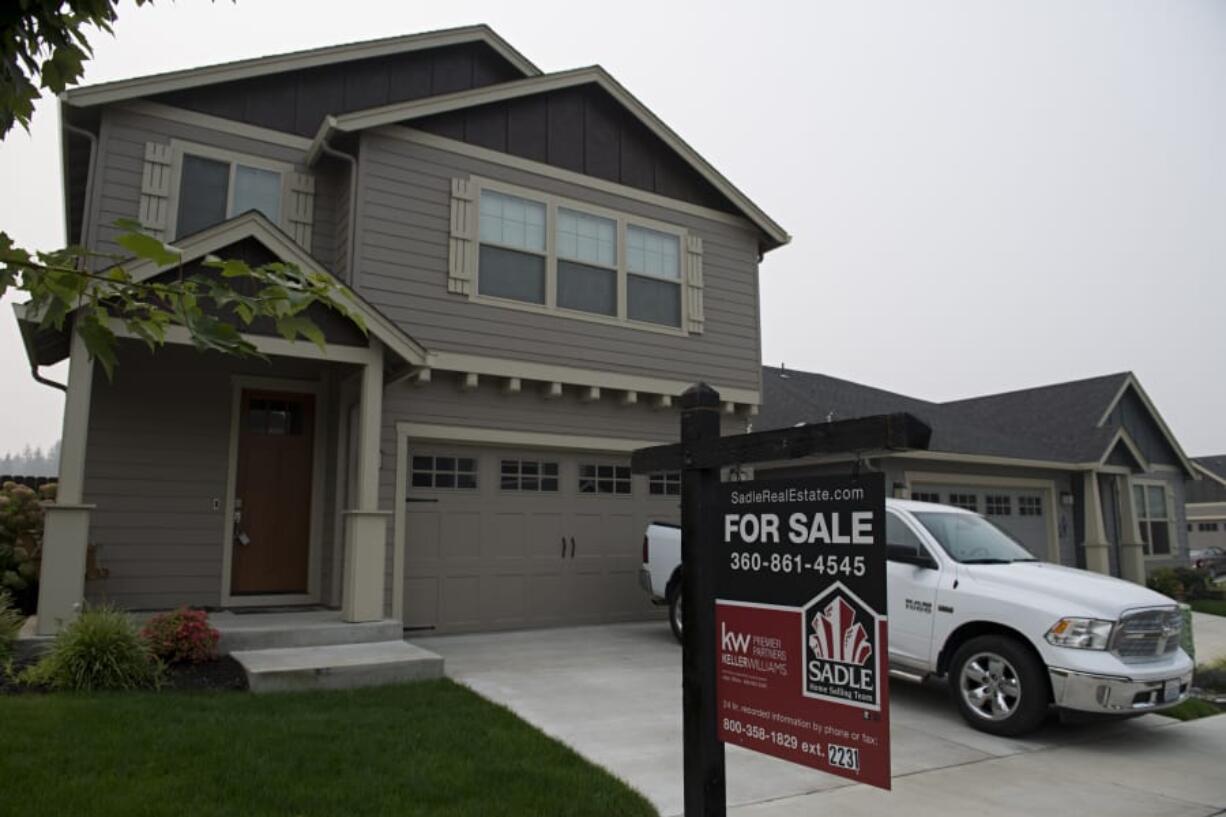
<point>841,634</point>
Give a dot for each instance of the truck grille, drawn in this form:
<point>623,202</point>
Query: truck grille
<point>1150,633</point>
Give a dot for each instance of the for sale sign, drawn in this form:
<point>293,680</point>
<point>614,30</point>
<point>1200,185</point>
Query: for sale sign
<point>800,619</point>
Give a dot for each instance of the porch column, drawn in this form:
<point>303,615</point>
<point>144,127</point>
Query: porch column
<point>61,579</point>
<point>1132,550</point>
<point>365,524</point>
<point>1097,548</point>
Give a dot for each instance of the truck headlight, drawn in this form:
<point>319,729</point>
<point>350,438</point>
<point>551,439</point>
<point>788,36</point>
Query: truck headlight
<point>1080,633</point>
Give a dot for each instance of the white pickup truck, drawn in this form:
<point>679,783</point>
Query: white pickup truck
<point>1015,636</point>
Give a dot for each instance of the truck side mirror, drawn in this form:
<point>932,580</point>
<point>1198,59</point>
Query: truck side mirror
<point>910,556</point>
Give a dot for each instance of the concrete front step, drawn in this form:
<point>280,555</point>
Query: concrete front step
<point>343,666</point>
<point>265,631</point>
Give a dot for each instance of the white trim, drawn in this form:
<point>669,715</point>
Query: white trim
<point>294,61</point>
<point>1047,486</point>
<point>432,432</point>
<point>622,222</point>
<point>1205,510</point>
<point>268,345</point>
<point>404,111</point>
<point>256,225</point>
<point>548,373</point>
<point>1213,476</point>
<point>417,137</point>
<point>230,127</point>
<point>75,424</point>
<point>313,387</point>
<point>1131,380</point>
<point>180,147</point>
<point>1121,435</point>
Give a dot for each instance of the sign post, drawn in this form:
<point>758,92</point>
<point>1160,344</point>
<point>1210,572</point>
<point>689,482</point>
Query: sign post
<point>797,666</point>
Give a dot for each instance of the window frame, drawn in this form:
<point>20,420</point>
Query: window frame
<point>628,480</point>
<point>1142,517</point>
<point>519,476</point>
<point>179,148</point>
<point>622,220</point>
<point>434,471</point>
<point>1030,506</point>
<point>666,480</point>
<point>998,504</point>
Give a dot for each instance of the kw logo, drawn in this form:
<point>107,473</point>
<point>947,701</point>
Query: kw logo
<point>733,642</point>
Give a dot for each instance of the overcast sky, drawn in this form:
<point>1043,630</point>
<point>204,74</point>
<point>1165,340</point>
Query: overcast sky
<point>983,196</point>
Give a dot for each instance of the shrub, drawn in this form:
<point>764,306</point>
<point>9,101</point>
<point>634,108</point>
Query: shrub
<point>1165,581</point>
<point>1196,584</point>
<point>10,625</point>
<point>21,536</point>
<point>182,636</point>
<point>100,650</point>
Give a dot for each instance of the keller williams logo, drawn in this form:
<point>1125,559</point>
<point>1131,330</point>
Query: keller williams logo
<point>840,641</point>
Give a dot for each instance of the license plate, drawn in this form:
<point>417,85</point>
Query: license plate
<point>1171,692</point>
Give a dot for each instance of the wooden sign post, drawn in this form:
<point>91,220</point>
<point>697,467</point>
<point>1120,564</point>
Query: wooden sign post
<point>700,456</point>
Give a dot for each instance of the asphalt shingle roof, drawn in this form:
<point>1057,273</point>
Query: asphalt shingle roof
<point>1056,423</point>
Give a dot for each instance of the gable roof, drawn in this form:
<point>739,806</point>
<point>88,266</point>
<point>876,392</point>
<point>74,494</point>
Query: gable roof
<point>416,109</point>
<point>40,346</point>
<point>1212,467</point>
<point>108,92</point>
<point>1058,424</point>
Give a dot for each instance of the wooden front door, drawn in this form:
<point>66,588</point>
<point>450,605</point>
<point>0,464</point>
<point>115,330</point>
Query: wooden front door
<point>272,507</point>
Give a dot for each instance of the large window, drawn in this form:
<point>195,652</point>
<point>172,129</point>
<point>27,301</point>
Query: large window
<point>213,189</point>
<point>539,250</point>
<point>512,258</point>
<point>1153,517</point>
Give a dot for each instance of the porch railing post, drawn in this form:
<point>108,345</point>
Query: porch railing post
<point>705,794</point>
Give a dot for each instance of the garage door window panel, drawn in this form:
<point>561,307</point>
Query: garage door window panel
<point>1029,506</point>
<point>604,479</point>
<point>444,472</point>
<point>1153,518</point>
<point>925,496</point>
<point>999,504</point>
<point>665,483</point>
<point>968,502</point>
<point>528,475</point>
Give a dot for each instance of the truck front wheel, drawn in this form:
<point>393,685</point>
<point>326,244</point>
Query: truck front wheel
<point>674,611</point>
<point>999,685</point>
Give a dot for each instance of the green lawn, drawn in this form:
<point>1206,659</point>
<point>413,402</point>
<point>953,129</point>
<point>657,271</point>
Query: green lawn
<point>428,748</point>
<point>1216,607</point>
<point>1190,710</point>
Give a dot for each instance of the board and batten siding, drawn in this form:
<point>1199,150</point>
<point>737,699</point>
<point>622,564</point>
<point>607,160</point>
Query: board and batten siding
<point>402,259</point>
<point>157,457</point>
<point>122,138</point>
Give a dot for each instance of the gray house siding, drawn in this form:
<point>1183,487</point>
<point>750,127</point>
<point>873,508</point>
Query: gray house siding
<point>157,457</point>
<point>121,146</point>
<point>1134,417</point>
<point>297,102</point>
<point>403,235</point>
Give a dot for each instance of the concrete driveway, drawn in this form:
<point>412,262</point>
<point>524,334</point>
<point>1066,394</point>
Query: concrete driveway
<point>613,693</point>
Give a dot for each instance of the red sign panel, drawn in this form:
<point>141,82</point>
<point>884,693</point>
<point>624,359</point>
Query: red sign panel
<point>800,618</point>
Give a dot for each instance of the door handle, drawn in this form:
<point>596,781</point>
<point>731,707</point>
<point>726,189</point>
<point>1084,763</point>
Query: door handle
<point>572,547</point>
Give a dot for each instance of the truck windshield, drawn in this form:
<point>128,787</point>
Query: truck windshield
<point>972,539</point>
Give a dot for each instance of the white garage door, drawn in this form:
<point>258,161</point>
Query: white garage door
<point>1022,512</point>
<point>502,538</point>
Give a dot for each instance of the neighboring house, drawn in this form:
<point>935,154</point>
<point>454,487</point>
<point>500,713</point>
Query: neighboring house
<point>543,267</point>
<point>1083,473</point>
<point>1207,504</point>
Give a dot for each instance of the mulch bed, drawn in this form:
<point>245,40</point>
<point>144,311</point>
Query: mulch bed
<point>222,675</point>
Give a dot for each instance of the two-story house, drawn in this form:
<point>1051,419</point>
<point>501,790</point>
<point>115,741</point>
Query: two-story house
<point>542,267</point>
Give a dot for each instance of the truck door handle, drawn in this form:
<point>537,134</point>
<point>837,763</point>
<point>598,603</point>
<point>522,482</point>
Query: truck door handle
<point>572,547</point>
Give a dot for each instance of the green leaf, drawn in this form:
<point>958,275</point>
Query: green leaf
<point>99,340</point>
<point>291,327</point>
<point>149,248</point>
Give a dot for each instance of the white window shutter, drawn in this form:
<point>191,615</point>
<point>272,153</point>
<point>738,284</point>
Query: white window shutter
<point>155,189</point>
<point>301,211</point>
<point>693,283</point>
<point>462,265</point>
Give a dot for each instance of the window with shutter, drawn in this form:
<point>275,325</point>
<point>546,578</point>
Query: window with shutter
<point>155,188</point>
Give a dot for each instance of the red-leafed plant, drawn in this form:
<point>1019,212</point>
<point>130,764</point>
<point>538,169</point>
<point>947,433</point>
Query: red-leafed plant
<point>183,636</point>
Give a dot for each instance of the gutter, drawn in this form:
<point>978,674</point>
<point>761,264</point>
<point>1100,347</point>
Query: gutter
<point>320,146</point>
<point>89,177</point>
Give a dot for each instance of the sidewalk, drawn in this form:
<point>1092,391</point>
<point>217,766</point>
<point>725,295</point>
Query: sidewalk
<point>1209,636</point>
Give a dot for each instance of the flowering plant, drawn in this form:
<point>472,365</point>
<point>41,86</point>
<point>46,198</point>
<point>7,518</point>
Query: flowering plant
<point>182,636</point>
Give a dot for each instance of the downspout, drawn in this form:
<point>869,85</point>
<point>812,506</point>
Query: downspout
<point>89,190</point>
<point>328,150</point>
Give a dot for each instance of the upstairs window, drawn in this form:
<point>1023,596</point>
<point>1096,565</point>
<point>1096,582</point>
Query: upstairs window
<point>512,260</point>
<point>212,190</point>
<point>540,252</point>
<point>653,286</point>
